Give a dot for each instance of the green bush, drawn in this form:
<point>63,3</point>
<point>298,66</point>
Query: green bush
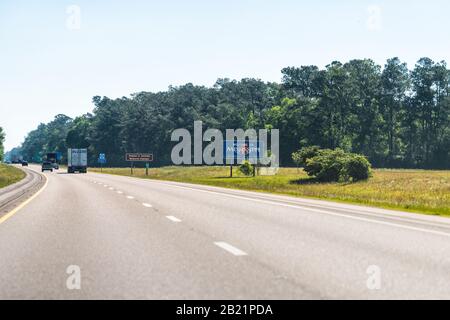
<point>356,168</point>
<point>334,165</point>
<point>300,157</point>
<point>246,168</point>
<point>326,165</point>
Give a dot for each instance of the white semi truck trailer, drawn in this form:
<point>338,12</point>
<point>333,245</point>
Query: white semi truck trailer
<point>77,160</point>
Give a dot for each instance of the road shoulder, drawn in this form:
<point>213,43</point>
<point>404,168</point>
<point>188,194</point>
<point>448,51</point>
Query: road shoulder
<point>18,194</point>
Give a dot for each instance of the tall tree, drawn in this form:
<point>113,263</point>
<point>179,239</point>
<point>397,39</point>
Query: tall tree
<point>335,107</point>
<point>364,120</point>
<point>394,85</point>
<point>305,81</point>
<point>430,105</point>
<point>78,132</point>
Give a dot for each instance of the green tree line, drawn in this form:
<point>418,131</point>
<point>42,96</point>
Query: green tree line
<point>395,116</point>
<point>2,140</point>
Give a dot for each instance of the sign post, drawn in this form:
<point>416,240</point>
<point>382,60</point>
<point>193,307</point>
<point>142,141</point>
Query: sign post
<point>139,157</point>
<point>241,150</point>
<point>101,160</point>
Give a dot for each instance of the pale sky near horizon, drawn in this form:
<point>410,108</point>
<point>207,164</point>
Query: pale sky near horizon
<point>54,59</point>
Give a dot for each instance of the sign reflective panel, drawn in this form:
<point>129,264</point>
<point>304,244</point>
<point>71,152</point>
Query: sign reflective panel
<point>139,157</point>
<point>242,150</point>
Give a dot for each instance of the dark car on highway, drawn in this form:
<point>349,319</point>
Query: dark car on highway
<point>47,166</point>
<point>24,164</point>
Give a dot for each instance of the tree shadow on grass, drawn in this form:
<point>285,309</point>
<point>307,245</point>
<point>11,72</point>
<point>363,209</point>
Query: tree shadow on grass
<point>312,181</point>
<point>305,181</point>
<point>231,178</point>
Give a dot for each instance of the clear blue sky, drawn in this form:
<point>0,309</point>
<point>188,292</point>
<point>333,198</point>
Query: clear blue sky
<point>50,64</point>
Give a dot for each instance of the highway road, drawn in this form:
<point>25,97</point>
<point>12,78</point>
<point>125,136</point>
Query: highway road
<point>128,238</point>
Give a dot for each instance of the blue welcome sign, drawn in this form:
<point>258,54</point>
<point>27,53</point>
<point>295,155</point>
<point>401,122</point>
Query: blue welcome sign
<point>242,150</point>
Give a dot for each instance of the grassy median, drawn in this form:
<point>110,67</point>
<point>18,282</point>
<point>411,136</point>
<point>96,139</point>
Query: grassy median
<point>9,175</point>
<point>408,190</point>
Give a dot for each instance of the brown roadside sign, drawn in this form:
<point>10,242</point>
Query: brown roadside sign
<point>139,157</point>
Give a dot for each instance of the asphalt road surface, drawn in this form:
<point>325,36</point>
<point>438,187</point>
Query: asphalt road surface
<point>99,236</point>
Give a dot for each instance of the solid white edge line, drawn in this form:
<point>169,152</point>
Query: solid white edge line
<point>228,247</point>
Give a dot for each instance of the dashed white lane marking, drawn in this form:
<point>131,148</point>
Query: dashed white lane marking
<point>330,213</point>
<point>147,205</point>
<point>105,185</point>
<point>228,247</point>
<point>111,188</point>
<point>130,197</point>
<point>172,218</point>
<point>119,192</point>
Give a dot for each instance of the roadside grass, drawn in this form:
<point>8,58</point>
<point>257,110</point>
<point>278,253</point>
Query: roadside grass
<point>418,191</point>
<point>9,175</point>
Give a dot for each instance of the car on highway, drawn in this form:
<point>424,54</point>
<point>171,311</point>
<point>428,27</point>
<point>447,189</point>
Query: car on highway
<point>24,164</point>
<point>47,166</point>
